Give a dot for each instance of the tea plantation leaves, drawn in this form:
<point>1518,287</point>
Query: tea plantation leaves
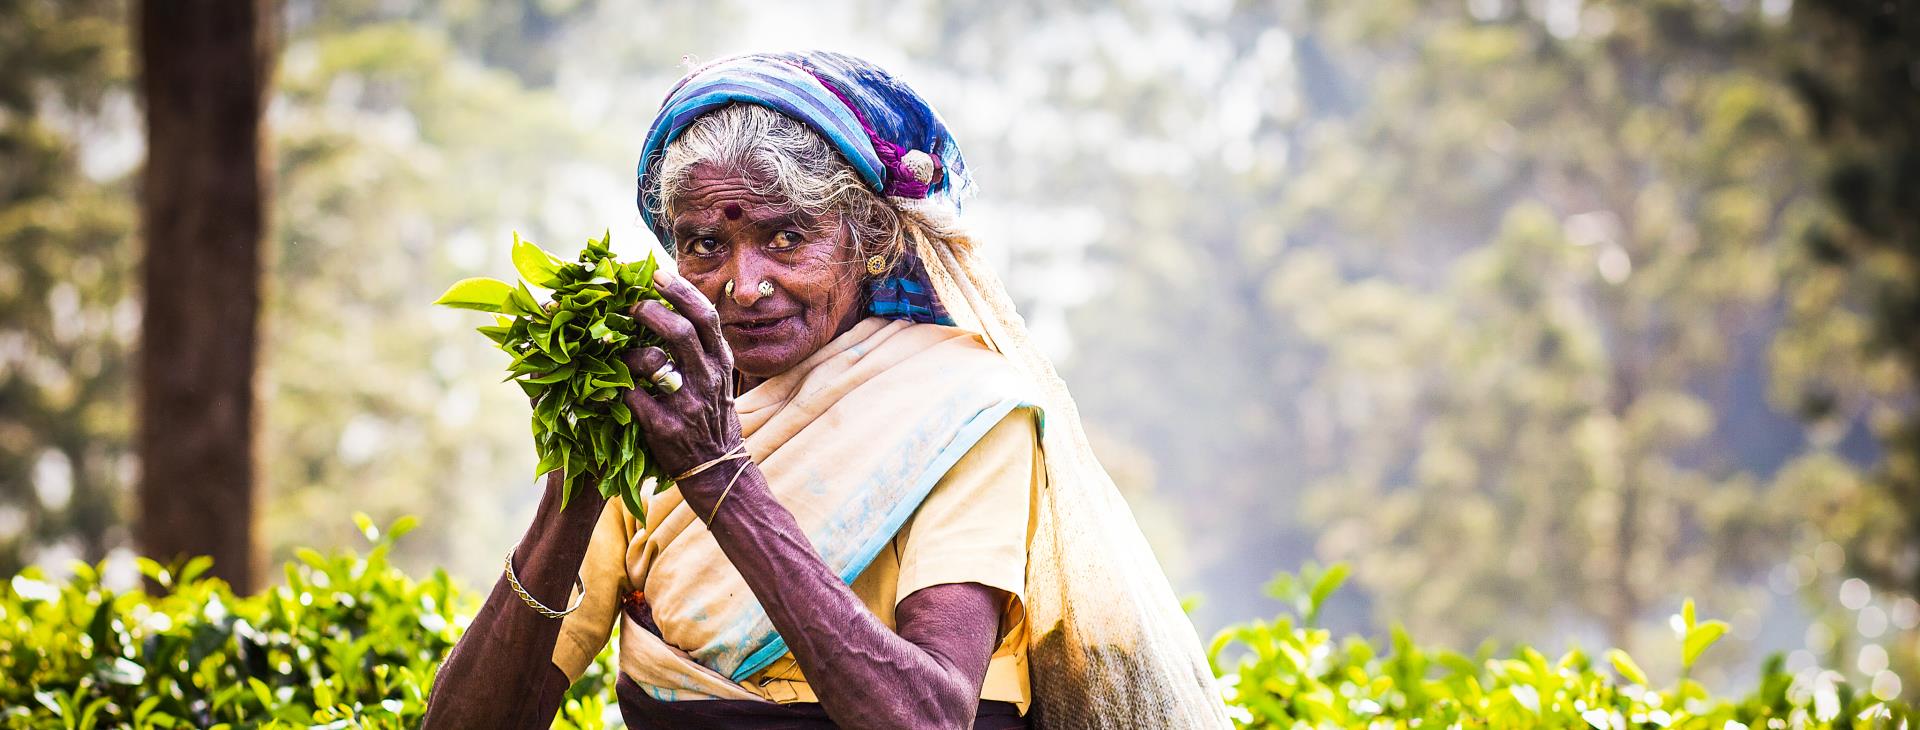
<point>565,350</point>
<point>349,641</point>
<point>1288,674</point>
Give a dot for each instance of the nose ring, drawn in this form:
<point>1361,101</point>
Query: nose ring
<point>766,288</point>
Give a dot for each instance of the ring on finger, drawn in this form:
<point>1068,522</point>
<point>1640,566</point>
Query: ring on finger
<point>667,379</point>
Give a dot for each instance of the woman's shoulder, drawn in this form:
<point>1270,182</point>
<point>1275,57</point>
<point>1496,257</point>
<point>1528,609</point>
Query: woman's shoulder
<point>965,348</point>
<point>966,355</point>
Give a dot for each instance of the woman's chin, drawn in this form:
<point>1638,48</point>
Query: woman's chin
<point>764,359</point>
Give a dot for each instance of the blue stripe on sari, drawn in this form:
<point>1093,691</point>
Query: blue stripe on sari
<point>969,433</point>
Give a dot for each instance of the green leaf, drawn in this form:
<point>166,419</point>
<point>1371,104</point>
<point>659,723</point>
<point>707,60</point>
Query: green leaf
<point>647,269</point>
<point>260,692</point>
<point>586,297</point>
<point>602,445</point>
<point>199,564</point>
<point>599,331</point>
<point>1329,582</point>
<point>628,440</point>
<point>1699,638</point>
<point>153,570</point>
<point>401,526</point>
<point>478,293</point>
<point>312,558</point>
<point>498,334</point>
<point>556,375</point>
<point>621,375</point>
<point>535,265</point>
<point>532,361</point>
<point>634,506</point>
<point>523,302</point>
<point>1626,667</point>
<point>549,461</point>
<point>572,482</point>
<point>547,412</point>
<point>557,344</point>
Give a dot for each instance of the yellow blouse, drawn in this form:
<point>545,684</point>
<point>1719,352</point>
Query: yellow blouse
<point>974,527</point>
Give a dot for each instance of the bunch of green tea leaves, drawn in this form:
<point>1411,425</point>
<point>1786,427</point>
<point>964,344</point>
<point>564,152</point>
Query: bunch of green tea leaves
<point>566,356</point>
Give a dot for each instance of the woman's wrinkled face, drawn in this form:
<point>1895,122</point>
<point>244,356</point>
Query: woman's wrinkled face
<point>725,231</point>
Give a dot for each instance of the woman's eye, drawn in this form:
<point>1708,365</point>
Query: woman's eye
<point>702,246</point>
<point>787,239</point>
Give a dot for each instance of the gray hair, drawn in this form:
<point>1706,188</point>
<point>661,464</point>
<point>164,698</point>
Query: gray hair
<point>783,159</point>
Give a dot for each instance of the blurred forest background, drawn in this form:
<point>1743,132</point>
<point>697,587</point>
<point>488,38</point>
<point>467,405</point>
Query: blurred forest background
<point>1542,314</point>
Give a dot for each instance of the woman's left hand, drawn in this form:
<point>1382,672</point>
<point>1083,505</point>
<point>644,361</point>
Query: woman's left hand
<point>697,423</point>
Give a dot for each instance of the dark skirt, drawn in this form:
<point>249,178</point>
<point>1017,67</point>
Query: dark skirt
<point>643,712</point>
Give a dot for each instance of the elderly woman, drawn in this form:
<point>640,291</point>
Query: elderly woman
<point>885,513</point>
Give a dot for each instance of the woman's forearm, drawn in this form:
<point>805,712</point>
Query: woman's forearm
<point>501,673</point>
<point>864,674</point>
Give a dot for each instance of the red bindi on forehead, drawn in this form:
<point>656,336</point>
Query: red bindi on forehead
<point>733,211</point>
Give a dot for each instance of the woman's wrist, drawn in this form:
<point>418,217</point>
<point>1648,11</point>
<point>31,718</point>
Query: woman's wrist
<point>547,568</point>
<point>725,458</point>
<point>710,489</point>
<point>561,531</point>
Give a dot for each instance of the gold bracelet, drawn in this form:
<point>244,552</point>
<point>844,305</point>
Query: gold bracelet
<point>729,490</point>
<point>736,452</point>
<point>535,604</point>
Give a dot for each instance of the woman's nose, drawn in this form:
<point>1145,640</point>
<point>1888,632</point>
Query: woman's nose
<point>748,285</point>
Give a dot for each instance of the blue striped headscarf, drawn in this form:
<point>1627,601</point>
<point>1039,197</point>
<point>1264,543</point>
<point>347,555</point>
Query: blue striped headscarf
<point>874,120</point>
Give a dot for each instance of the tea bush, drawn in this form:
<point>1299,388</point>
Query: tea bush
<point>1290,674</point>
<point>348,641</point>
<point>351,641</point>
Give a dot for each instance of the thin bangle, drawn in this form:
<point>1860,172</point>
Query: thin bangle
<point>728,490</point>
<point>737,452</point>
<point>534,603</point>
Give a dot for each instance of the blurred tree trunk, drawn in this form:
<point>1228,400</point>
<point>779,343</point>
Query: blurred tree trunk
<point>205,66</point>
<point>1858,70</point>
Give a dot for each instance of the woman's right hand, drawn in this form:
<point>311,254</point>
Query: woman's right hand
<point>696,423</point>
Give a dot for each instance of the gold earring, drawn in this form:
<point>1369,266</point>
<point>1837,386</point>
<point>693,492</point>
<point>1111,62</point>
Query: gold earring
<point>876,266</point>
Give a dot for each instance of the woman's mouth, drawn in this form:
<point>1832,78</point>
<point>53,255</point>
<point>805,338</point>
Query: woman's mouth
<point>757,326</point>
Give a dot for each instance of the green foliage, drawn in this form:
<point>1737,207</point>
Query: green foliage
<point>566,356</point>
<point>1288,674</point>
<point>1486,301</point>
<point>1852,65</point>
<point>1374,231</point>
<point>68,301</point>
<point>348,641</point>
<point>1307,592</point>
<point>401,163</point>
<point>351,641</point>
